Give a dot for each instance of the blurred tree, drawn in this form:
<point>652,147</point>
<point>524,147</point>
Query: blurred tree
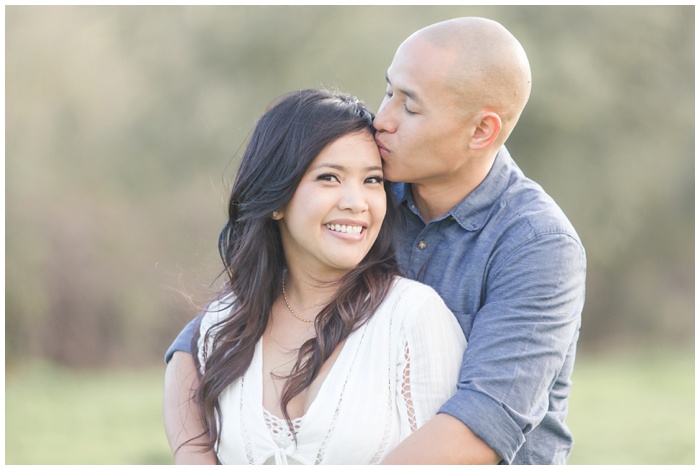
<point>124,125</point>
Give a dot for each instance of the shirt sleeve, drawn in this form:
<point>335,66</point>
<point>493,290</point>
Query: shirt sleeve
<point>183,341</point>
<point>430,354</point>
<point>519,341</point>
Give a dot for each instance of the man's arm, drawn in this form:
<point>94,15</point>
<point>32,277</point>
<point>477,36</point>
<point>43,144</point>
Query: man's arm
<point>516,349</point>
<point>181,416</point>
<point>183,342</point>
<point>443,440</point>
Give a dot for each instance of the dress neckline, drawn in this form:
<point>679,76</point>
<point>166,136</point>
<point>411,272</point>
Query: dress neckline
<point>321,410</point>
<point>330,376</point>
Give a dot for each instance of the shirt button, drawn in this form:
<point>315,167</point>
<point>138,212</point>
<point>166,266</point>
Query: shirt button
<point>422,245</point>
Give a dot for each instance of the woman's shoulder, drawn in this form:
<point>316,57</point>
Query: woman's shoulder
<point>412,299</point>
<point>408,290</point>
<point>417,311</point>
<point>217,311</point>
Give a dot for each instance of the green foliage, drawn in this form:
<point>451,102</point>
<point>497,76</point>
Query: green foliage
<point>624,410</point>
<point>124,124</point>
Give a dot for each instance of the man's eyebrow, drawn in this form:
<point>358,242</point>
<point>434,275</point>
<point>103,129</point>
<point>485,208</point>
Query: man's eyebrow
<point>411,94</point>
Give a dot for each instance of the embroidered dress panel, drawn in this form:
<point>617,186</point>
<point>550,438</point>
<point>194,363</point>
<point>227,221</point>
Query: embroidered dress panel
<point>279,429</point>
<point>391,376</point>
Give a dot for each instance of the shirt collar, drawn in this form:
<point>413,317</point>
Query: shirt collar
<point>473,211</point>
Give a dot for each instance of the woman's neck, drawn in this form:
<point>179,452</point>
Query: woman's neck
<point>306,294</point>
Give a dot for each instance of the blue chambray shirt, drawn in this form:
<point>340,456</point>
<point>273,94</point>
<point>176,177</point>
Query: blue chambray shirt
<point>512,269</point>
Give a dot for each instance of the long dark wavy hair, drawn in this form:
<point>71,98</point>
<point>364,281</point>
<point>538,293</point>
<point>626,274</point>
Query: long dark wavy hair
<point>284,143</point>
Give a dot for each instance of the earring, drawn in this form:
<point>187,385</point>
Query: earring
<point>276,215</point>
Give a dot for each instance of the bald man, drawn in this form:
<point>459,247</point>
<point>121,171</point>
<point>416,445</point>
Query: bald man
<point>495,246</point>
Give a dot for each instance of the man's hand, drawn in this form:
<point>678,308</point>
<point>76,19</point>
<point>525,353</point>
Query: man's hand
<point>444,440</point>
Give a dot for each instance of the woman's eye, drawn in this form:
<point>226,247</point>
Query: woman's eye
<point>408,110</point>
<point>374,179</point>
<point>327,177</point>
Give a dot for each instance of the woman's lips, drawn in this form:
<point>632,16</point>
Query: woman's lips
<point>343,228</point>
<point>353,231</point>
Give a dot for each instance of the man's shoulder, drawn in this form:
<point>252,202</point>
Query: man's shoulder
<point>527,208</point>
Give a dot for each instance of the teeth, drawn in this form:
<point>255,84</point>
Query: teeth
<point>351,229</point>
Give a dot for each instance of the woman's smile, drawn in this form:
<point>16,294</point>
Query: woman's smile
<point>343,195</point>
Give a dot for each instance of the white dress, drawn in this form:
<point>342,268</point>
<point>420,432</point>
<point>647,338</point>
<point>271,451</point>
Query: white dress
<point>391,376</point>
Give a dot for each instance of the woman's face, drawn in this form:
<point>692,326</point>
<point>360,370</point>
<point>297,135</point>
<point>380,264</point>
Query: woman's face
<point>337,210</point>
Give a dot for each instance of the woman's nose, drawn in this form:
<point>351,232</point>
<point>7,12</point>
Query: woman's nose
<point>353,199</point>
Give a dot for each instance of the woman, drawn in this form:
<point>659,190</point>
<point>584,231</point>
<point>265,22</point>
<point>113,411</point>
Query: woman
<point>317,351</point>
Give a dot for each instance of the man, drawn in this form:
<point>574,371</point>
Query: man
<point>492,243</point>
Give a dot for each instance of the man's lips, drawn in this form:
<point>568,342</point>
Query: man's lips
<point>383,151</point>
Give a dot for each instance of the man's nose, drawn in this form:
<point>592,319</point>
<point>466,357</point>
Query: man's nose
<point>383,121</point>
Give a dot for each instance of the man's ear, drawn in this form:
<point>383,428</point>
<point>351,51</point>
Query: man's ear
<point>488,127</point>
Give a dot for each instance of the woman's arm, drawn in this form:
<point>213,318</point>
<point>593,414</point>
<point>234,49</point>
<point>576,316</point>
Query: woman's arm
<point>181,416</point>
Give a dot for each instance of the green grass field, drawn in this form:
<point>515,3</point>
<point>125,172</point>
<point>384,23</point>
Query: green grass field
<point>623,411</point>
<point>58,416</point>
<point>633,410</point>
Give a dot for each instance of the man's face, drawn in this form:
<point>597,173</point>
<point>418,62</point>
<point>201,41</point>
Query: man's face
<point>422,134</point>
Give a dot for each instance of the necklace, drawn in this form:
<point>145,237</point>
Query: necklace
<point>284,294</point>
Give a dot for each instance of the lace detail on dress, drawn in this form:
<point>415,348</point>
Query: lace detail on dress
<point>244,431</point>
<point>322,450</point>
<point>390,403</point>
<point>279,429</point>
<point>406,389</point>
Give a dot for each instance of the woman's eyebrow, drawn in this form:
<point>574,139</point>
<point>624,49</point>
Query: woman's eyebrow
<point>335,166</point>
<point>329,165</point>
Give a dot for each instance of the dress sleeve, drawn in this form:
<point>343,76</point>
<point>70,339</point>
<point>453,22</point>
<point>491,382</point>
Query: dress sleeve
<point>208,327</point>
<point>430,354</point>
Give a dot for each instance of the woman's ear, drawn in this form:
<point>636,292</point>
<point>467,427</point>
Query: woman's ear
<point>488,127</point>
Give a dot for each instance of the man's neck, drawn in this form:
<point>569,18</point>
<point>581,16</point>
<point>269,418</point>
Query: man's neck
<point>435,201</point>
<point>436,198</point>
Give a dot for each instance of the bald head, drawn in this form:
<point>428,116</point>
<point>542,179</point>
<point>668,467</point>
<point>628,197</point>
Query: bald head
<point>489,69</point>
